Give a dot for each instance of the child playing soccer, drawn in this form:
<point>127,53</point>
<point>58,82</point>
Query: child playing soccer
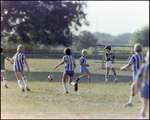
<point>70,65</point>
<point>83,67</point>
<point>19,59</point>
<point>3,73</point>
<point>142,84</point>
<point>136,61</point>
<point>110,59</point>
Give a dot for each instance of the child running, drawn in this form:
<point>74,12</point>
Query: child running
<point>83,67</point>
<point>136,61</point>
<point>70,65</point>
<point>142,84</point>
<point>3,73</point>
<point>19,59</point>
<point>110,59</point>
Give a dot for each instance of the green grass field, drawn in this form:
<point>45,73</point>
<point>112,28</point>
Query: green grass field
<point>45,100</point>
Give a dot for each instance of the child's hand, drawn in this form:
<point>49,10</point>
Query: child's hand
<point>12,62</point>
<point>113,62</point>
<point>28,69</point>
<point>87,65</point>
<point>121,68</point>
<point>55,66</point>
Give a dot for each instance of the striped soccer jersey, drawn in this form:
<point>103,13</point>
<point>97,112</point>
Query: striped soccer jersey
<point>108,55</point>
<point>143,73</point>
<point>136,61</point>
<point>69,62</point>
<point>18,62</point>
<point>82,60</point>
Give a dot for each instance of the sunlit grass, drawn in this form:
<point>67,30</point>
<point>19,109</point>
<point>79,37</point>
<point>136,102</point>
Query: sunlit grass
<point>45,100</point>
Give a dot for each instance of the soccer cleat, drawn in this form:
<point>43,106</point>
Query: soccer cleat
<point>89,81</point>
<point>116,80</point>
<point>128,104</point>
<point>65,92</point>
<point>23,89</point>
<point>106,80</point>
<point>5,86</point>
<point>77,79</point>
<point>76,87</point>
<point>27,88</point>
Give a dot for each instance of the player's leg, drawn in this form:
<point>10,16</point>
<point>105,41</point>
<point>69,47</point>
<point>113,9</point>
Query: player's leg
<point>82,76</point>
<point>4,78</point>
<point>1,77</point>
<point>115,75</point>
<point>89,76</point>
<point>106,75</point>
<point>144,108</point>
<point>64,77</point>
<point>25,81</point>
<point>73,83</point>
<point>17,74</point>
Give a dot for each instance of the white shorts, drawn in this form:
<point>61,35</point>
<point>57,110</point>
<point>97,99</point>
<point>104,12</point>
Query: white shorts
<point>2,70</point>
<point>109,64</point>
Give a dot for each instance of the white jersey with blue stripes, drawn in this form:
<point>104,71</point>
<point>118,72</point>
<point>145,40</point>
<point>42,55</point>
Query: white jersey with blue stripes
<point>69,62</point>
<point>136,61</point>
<point>143,73</point>
<point>18,62</point>
<point>82,60</point>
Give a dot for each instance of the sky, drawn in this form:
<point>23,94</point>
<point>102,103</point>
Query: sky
<point>116,17</point>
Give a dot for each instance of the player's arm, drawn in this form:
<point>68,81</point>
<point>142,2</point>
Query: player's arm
<point>59,64</point>
<point>124,67</point>
<point>26,64</point>
<point>9,60</point>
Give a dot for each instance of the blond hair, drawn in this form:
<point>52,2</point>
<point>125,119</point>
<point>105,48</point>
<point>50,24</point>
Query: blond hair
<point>147,56</point>
<point>138,47</point>
<point>20,48</point>
<point>84,50</point>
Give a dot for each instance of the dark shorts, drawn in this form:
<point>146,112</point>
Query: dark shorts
<point>145,92</point>
<point>70,73</point>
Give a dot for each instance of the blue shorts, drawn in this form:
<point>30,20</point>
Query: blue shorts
<point>70,73</point>
<point>134,74</point>
<point>145,92</point>
<point>83,68</point>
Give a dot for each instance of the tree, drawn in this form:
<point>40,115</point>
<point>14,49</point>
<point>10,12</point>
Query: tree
<point>44,22</point>
<point>84,40</point>
<point>141,36</point>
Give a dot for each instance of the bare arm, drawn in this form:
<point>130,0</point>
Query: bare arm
<point>26,65</point>
<point>110,57</point>
<point>124,67</point>
<point>9,60</point>
<point>59,64</point>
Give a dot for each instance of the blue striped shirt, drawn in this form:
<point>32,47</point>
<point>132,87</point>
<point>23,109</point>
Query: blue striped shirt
<point>69,62</point>
<point>143,73</point>
<point>82,60</point>
<point>136,61</point>
<point>18,62</point>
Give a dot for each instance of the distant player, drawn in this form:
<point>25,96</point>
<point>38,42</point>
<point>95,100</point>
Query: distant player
<point>142,84</point>
<point>110,60</point>
<point>70,65</point>
<point>3,73</point>
<point>83,67</point>
<point>19,59</point>
<point>135,61</point>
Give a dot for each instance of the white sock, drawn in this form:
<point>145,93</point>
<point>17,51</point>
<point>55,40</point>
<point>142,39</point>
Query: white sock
<point>131,99</point>
<point>65,87</point>
<point>20,83</point>
<point>25,80</point>
<point>5,80</point>
<point>72,83</point>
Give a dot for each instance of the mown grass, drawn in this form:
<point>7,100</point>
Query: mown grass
<point>45,100</point>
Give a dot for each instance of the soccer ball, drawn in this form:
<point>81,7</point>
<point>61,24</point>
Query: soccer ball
<point>50,78</point>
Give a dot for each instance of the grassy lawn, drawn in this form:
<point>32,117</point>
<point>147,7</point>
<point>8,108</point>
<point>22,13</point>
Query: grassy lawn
<point>45,100</point>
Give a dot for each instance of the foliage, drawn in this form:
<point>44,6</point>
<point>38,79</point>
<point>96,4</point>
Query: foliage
<point>141,36</point>
<point>84,40</point>
<point>44,22</point>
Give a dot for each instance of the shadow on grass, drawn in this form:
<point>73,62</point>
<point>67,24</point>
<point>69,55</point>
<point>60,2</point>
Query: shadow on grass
<point>42,77</point>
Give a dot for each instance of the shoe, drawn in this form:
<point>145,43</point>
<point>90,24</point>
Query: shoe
<point>23,89</point>
<point>128,104</point>
<point>5,86</point>
<point>65,92</point>
<point>76,87</point>
<point>27,88</point>
<point>106,80</point>
<point>77,79</point>
<point>116,80</point>
<point>89,81</point>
